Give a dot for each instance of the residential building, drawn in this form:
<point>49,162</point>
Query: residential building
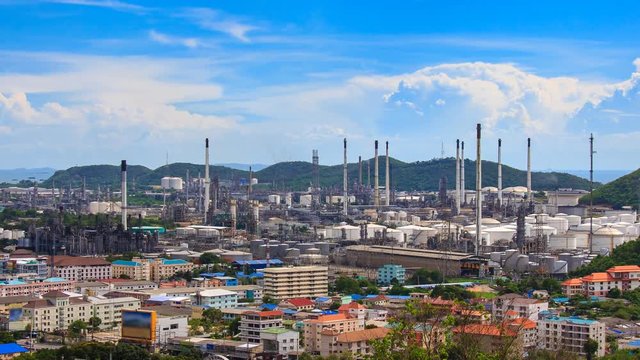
<point>489,338</point>
<point>523,307</point>
<point>57,310</point>
<point>34,287</point>
<point>136,269</point>
<point>313,329</point>
<point>215,298</point>
<point>165,268</point>
<point>570,334</point>
<point>356,343</point>
<point>623,278</point>
<point>77,268</point>
<point>252,323</point>
<point>389,273</point>
<point>354,310</point>
<point>298,304</point>
<point>528,329</point>
<point>280,341</point>
<point>32,266</point>
<point>291,282</point>
<point>169,327</point>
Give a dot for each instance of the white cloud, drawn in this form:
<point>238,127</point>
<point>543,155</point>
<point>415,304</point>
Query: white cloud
<point>173,40</point>
<point>213,20</point>
<point>110,4</point>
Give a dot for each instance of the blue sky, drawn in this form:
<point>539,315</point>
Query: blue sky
<point>96,81</point>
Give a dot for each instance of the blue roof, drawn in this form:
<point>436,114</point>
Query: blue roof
<point>259,262</point>
<point>126,263</point>
<point>289,311</point>
<point>398,297</point>
<point>572,319</point>
<point>560,300</point>
<point>240,274</point>
<point>356,297</point>
<point>329,312</point>
<point>269,307</point>
<point>173,262</point>
<point>54,279</point>
<point>12,282</point>
<point>322,299</point>
<point>11,348</point>
<point>212,275</point>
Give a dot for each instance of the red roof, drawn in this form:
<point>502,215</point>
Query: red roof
<point>572,282</point>
<point>264,313</point>
<point>480,329</point>
<point>524,323</point>
<point>351,305</point>
<point>65,260</point>
<point>598,277</point>
<point>299,302</point>
<point>328,318</point>
<point>625,268</point>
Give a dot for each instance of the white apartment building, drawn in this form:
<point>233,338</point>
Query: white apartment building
<point>280,341</point>
<point>338,324</point>
<point>76,268</point>
<point>513,305</point>
<point>294,282</point>
<point>57,310</point>
<point>215,298</point>
<point>252,323</point>
<point>570,334</point>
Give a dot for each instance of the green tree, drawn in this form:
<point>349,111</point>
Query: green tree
<point>124,276</point>
<point>213,315</point>
<point>425,276</point>
<point>234,327</point>
<point>95,323</point>
<point>590,348</point>
<point>77,328</point>
<point>209,258</point>
<point>614,293</point>
<point>6,337</point>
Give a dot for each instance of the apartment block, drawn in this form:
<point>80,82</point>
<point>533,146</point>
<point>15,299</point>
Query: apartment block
<point>356,343</point>
<point>280,341</point>
<point>162,269</point>
<point>521,306</point>
<point>570,334</point>
<point>623,278</point>
<point>34,287</point>
<point>295,282</point>
<point>389,273</point>
<point>136,269</point>
<point>76,268</point>
<point>252,323</point>
<point>338,323</point>
<point>215,298</point>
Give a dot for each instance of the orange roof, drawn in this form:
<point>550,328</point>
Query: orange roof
<point>480,329</point>
<point>572,282</point>
<point>351,305</point>
<point>264,313</point>
<point>625,268</point>
<point>599,276</point>
<point>298,302</point>
<point>524,323</point>
<point>511,312</point>
<point>363,335</point>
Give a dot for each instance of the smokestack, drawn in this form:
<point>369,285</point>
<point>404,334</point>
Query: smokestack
<point>345,195</point>
<point>500,173</point>
<point>387,181</point>
<point>376,190</point>
<point>187,187</point>
<point>234,216</point>
<point>123,190</point>
<point>250,180</point>
<point>256,217</point>
<point>359,172</point>
<point>457,176</point>
<point>463,194</point>
<point>529,170</point>
<point>207,181</point>
<point>478,191</point>
<point>369,174</point>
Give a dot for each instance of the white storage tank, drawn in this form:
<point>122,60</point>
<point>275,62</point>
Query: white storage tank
<point>560,267</point>
<point>373,229</point>
<point>606,238</point>
<point>559,223</point>
<point>500,233</point>
<point>274,199</point>
<point>207,232</point>
<point>94,207</point>
<point>562,242</point>
<point>402,215</point>
<point>629,218</point>
<point>574,220</point>
<point>489,222</point>
<point>7,234</point>
<point>306,200</point>
<point>542,230</point>
<point>495,256</point>
<point>418,234</point>
<point>415,219</point>
<point>346,232</point>
<point>175,183</point>
<point>165,182</point>
<point>522,263</point>
<point>186,232</point>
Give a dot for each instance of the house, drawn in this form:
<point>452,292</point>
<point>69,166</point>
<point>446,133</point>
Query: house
<point>524,307</point>
<point>489,337</point>
<point>298,304</point>
<point>340,323</point>
<point>252,323</point>
<point>572,287</point>
<point>356,343</point>
<point>354,310</point>
<point>280,341</point>
<point>378,300</point>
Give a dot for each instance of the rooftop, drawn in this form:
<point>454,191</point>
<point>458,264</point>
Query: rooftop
<point>282,270</point>
<point>277,331</point>
<point>363,335</point>
<point>420,253</point>
<point>64,260</point>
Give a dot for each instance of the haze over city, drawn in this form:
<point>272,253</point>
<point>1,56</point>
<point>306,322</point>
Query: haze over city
<point>92,82</point>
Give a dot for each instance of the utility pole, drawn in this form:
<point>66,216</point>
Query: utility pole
<point>591,192</point>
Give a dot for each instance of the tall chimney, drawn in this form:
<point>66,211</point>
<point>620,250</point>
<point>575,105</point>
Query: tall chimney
<point>234,215</point>
<point>387,177</point>
<point>500,173</point>
<point>376,190</point>
<point>529,170</point>
<point>478,191</point>
<point>463,194</point>
<point>457,176</point>
<point>207,181</point>
<point>345,195</point>
<point>123,190</point>
<point>250,180</point>
<point>187,187</point>
<point>369,174</point>
<point>359,172</point>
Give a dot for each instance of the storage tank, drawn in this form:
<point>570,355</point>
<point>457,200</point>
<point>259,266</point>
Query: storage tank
<point>562,242</point>
<point>510,258</point>
<point>324,247</point>
<point>175,183</point>
<point>606,238</point>
<point>313,251</point>
<point>185,232</point>
<point>629,218</point>
<point>254,245</point>
<point>522,263</point>
<point>586,226</point>
<point>292,254</point>
<point>542,230</point>
<point>94,207</point>
<point>576,262</point>
<point>495,256</point>
<point>632,231</point>
<point>402,215</point>
<point>282,250</point>
<point>559,223</point>
<point>306,200</point>
<point>373,229</point>
<point>396,235</point>
<point>574,220</point>
<point>547,263</point>
<point>304,247</point>
<point>165,183</point>
<point>7,234</point>
<point>274,199</point>
<point>565,256</point>
<point>415,219</point>
<point>208,233</point>
<point>17,234</point>
<point>500,233</point>
<point>560,267</point>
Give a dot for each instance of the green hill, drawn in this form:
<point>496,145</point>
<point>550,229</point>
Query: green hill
<point>297,175</point>
<point>624,191</point>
